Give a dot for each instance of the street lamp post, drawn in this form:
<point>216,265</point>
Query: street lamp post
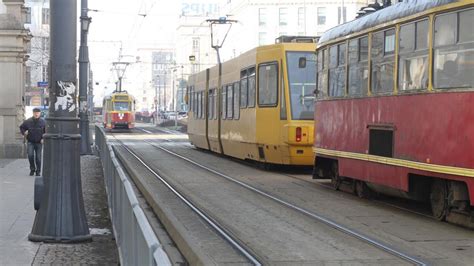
<point>174,101</point>
<point>84,80</point>
<point>61,216</point>
<point>156,99</point>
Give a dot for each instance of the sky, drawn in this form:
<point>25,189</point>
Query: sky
<point>120,27</point>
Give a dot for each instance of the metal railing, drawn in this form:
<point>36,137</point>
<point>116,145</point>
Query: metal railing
<point>136,241</point>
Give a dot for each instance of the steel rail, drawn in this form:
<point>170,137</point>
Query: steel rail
<point>376,243</point>
<point>218,228</point>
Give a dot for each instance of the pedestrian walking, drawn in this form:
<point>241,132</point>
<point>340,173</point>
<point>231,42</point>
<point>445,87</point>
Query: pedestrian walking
<point>33,129</point>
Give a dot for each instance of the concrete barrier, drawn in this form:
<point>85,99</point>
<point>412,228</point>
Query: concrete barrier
<point>136,241</point>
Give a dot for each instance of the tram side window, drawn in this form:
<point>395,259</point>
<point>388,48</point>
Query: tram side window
<point>322,73</point>
<point>251,87</point>
<point>454,50</point>
<point>224,103</point>
<point>268,84</point>
<point>210,106</point>
<point>237,100</point>
<point>243,89</point>
<point>358,66</point>
<point>230,101</point>
<point>337,70</point>
<point>413,56</point>
<point>383,61</point>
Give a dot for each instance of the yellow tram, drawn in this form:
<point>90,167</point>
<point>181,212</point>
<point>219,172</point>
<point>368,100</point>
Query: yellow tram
<point>264,109</point>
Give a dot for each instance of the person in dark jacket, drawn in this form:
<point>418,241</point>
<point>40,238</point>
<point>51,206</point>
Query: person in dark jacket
<point>33,129</point>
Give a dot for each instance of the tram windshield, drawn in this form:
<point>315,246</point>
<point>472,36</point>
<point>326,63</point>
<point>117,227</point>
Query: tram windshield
<point>302,84</point>
<point>121,106</point>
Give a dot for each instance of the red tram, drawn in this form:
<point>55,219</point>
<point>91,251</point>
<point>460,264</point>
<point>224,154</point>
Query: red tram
<point>395,105</point>
<point>119,110</point>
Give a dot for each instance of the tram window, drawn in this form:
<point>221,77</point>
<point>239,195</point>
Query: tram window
<point>422,34</point>
<point>453,66</point>
<point>121,106</point>
<point>341,60</point>
<point>236,100</point>
<point>283,115</point>
<point>466,22</point>
<point>224,103</point>
<point>337,70</point>
<point>230,101</point>
<point>413,56</point>
<point>445,29</point>
<point>243,88</point>
<point>268,84</point>
<point>364,48</point>
<point>389,42</point>
<point>406,35</point>
<point>210,105</point>
<point>302,83</point>
<point>353,51</point>
<point>322,74</point>
<point>383,59</point>
<point>358,67</point>
<point>251,87</point>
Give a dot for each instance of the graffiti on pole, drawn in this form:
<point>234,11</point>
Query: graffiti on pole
<point>65,96</point>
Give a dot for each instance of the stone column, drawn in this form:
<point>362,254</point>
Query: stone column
<point>13,54</point>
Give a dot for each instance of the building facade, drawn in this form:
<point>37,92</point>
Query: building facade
<point>14,39</point>
<point>260,22</point>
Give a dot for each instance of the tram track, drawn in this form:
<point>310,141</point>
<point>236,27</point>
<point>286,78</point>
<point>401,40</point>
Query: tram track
<point>318,217</point>
<point>219,229</point>
<point>322,185</point>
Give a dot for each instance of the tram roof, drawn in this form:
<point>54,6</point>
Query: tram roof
<point>390,13</point>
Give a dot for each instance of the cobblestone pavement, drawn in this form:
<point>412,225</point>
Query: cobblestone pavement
<point>102,250</point>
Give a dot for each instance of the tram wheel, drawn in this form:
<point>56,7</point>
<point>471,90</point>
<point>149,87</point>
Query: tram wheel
<point>439,199</point>
<point>336,180</point>
<point>362,190</point>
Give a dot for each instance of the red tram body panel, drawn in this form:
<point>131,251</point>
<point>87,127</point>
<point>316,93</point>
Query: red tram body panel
<point>433,136</point>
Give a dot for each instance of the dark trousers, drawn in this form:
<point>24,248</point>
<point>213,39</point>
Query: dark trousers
<point>34,155</point>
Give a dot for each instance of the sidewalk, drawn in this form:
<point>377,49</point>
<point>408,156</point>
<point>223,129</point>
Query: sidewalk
<point>17,215</point>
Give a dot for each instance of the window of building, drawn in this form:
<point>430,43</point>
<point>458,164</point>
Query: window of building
<point>28,15</point>
<point>251,87</point>
<point>45,16</point>
<point>28,77</point>
<point>44,74</point>
<point>196,44</point>
<point>237,100</point>
<point>337,70</point>
<point>283,16</point>
<point>262,16</point>
<point>358,66</point>
<point>268,84</point>
<point>454,50</point>
<point>262,38</point>
<point>45,44</point>
<point>413,56</point>
<point>301,16</point>
<point>383,61</point>
<point>321,16</point>
<point>341,16</point>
